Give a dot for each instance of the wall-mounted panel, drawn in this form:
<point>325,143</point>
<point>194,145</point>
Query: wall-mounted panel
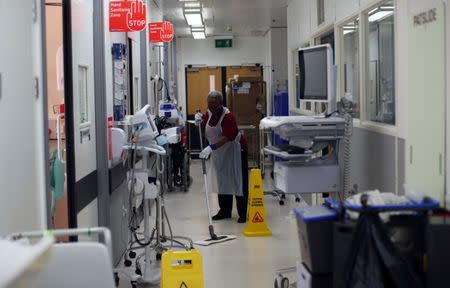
<point>373,161</point>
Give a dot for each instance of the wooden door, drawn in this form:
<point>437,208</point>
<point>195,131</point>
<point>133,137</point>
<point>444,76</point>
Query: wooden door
<point>243,72</point>
<point>200,81</point>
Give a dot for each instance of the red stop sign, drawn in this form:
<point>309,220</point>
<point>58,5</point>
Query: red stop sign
<point>127,16</point>
<point>160,32</point>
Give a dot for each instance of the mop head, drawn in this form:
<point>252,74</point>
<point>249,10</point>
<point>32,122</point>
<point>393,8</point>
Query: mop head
<point>220,239</point>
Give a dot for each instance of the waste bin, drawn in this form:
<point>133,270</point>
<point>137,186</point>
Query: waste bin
<point>315,232</point>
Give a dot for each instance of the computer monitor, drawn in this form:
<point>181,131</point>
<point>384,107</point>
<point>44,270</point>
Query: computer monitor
<point>317,76</point>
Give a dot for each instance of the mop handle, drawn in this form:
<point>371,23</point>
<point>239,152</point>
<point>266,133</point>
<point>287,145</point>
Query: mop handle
<point>201,147</point>
<point>211,227</point>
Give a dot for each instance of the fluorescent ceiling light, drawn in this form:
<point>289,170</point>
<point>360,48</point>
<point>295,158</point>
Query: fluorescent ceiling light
<point>380,15</point>
<point>194,19</point>
<point>348,31</point>
<point>193,16</point>
<point>192,11</point>
<point>373,11</point>
<point>192,4</point>
<point>198,29</point>
<point>199,35</point>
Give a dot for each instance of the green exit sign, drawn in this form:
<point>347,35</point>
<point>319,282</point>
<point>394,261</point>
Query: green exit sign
<point>224,43</point>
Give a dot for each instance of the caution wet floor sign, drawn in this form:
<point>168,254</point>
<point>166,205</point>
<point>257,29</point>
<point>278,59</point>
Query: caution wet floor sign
<point>182,269</point>
<point>256,217</point>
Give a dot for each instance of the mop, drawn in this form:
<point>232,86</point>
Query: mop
<point>214,239</point>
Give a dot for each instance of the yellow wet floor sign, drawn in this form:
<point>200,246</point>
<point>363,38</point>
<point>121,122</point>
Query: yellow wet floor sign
<point>256,214</point>
<point>182,269</point>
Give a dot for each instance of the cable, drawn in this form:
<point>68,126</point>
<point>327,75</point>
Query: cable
<point>347,154</point>
<point>144,244</point>
<point>160,171</point>
<point>331,114</point>
<point>168,224</point>
<point>167,90</point>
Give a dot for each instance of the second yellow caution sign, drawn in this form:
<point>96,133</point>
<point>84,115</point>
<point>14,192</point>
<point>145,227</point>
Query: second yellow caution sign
<point>182,269</point>
<point>256,214</point>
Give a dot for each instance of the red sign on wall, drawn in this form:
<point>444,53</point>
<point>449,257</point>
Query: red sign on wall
<point>127,16</point>
<point>160,32</point>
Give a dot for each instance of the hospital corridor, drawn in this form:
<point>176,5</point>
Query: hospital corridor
<point>224,143</point>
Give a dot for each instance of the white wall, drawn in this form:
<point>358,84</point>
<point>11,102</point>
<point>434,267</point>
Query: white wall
<point>448,102</point>
<point>203,52</point>
<point>279,57</point>
<point>88,217</point>
<point>23,161</point>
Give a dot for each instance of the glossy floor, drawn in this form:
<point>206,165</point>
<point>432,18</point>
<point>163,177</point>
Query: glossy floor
<point>244,262</point>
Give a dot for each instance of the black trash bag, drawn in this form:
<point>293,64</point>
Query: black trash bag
<point>374,261</point>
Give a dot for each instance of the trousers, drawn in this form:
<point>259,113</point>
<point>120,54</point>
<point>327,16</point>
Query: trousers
<point>226,201</point>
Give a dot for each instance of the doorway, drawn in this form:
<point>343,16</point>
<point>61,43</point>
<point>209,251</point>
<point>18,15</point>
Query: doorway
<point>56,113</point>
<point>201,80</point>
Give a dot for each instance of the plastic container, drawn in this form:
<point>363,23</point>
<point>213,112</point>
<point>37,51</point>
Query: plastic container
<point>315,232</point>
<point>280,108</point>
<point>119,112</point>
<point>342,241</point>
<point>280,104</point>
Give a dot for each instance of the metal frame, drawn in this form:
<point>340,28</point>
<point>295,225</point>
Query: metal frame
<point>101,121</point>
<point>144,72</point>
<point>68,102</point>
<point>45,112</point>
<point>90,232</point>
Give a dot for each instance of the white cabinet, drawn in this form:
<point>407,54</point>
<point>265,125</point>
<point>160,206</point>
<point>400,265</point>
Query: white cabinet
<point>425,149</point>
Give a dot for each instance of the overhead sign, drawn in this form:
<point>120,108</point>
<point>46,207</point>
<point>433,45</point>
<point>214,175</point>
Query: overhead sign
<point>127,16</point>
<point>160,32</point>
<point>224,43</point>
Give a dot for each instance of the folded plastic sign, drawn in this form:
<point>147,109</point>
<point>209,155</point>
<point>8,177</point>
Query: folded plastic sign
<point>127,16</point>
<point>160,32</point>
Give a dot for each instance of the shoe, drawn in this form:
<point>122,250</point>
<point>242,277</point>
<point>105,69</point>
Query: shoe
<point>241,220</point>
<point>221,216</point>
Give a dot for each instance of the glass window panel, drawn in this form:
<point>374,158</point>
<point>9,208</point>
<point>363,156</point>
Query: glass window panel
<point>380,60</point>
<point>350,86</point>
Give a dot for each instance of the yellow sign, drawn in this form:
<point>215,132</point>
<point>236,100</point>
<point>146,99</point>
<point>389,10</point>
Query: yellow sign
<point>256,215</point>
<point>182,269</point>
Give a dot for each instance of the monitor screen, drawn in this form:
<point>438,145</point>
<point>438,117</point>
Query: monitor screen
<point>313,64</point>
